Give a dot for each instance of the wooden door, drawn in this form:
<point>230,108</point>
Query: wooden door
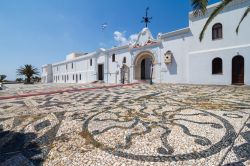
<point>238,70</point>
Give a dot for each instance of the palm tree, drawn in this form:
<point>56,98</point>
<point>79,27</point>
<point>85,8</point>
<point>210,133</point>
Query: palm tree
<point>200,7</point>
<point>19,80</point>
<point>28,71</point>
<point>2,77</point>
<point>36,79</point>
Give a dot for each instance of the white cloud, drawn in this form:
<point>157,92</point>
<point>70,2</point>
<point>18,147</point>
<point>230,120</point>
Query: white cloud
<point>133,38</point>
<point>121,39</point>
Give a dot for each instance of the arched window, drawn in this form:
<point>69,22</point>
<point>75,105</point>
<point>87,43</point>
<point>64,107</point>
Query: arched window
<point>124,60</point>
<point>217,66</point>
<point>113,58</point>
<point>217,31</point>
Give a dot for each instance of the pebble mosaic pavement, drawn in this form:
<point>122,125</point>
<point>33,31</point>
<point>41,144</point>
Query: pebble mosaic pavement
<point>162,124</point>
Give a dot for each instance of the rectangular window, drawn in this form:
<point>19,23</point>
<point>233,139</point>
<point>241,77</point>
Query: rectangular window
<point>124,60</point>
<point>72,65</point>
<point>57,68</point>
<point>73,77</point>
<point>80,77</point>
<point>113,58</point>
<point>66,66</point>
<point>67,77</point>
<point>90,62</point>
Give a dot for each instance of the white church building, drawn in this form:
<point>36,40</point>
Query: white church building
<point>222,58</point>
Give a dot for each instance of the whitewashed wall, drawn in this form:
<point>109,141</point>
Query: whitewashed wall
<point>114,74</point>
<point>47,74</point>
<point>202,53</point>
<point>192,59</point>
<point>175,72</point>
<point>81,70</point>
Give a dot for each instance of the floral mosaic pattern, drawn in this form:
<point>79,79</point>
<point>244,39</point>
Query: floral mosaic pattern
<point>135,125</point>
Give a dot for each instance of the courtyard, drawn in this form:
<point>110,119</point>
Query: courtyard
<point>139,124</point>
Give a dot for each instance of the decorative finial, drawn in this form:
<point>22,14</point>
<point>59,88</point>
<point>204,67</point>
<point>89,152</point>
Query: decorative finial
<point>146,19</point>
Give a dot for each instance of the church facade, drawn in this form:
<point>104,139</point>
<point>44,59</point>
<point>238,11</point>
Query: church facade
<point>222,58</point>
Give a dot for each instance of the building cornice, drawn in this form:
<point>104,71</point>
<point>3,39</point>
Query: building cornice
<point>117,48</point>
<point>219,49</point>
<point>75,59</point>
<point>175,33</point>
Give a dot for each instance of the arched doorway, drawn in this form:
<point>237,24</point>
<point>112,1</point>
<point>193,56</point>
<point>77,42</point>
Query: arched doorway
<point>238,70</point>
<point>146,68</point>
<point>124,74</point>
<point>143,66</point>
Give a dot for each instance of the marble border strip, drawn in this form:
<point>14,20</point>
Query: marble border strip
<point>67,90</point>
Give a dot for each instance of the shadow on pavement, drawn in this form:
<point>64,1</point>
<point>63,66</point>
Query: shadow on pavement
<point>19,149</point>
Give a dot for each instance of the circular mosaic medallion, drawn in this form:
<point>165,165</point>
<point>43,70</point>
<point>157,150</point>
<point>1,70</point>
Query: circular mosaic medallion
<point>155,135</point>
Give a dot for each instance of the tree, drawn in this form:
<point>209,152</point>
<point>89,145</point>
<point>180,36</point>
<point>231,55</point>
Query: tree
<point>200,7</point>
<point>36,79</point>
<point>19,80</point>
<point>2,77</point>
<point>28,71</point>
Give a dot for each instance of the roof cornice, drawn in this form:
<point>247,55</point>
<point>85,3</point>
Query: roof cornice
<point>175,33</point>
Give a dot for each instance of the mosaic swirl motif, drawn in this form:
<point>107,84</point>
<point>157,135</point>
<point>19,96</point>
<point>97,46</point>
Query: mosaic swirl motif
<point>142,124</point>
<point>149,134</point>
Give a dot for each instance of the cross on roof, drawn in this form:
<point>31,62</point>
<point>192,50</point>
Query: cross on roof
<point>146,19</point>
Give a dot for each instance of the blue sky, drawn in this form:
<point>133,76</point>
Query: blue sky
<point>38,32</point>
